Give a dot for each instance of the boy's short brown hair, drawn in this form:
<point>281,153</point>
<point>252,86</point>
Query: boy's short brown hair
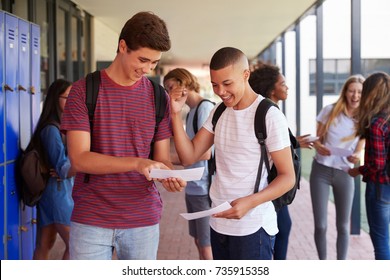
<point>145,30</point>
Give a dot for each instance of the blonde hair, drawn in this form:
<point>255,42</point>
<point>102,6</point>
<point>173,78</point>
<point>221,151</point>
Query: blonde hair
<point>341,104</point>
<point>184,78</point>
<point>375,100</point>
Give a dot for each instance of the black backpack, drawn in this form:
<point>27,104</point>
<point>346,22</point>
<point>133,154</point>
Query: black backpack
<point>32,173</point>
<point>261,135</point>
<point>211,160</point>
<point>92,90</point>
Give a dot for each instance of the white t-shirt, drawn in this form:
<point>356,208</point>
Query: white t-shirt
<point>237,159</point>
<point>339,135</point>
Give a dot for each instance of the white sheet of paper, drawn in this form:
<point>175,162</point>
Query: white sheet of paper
<point>311,138</point>
<point>339,152</point>
<point>191,174</point>
<point>191,216</point>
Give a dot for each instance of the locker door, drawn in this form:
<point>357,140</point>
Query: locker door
<point>2,98</point>
<point>12,214</point>
<point>24,83</point>
<point>2,194</point>
<point>11,95</point>
<point>35,74</point>
<point>36,94</point>
<point>2,248</point>
<point>26,226</point>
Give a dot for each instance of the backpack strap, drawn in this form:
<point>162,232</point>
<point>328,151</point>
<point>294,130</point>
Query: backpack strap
<point>218,112</point>
<point>92,83</point>
<point>92,91</point>
<point>160,102</point>
<point>261,135</point>
<point>195,121</point>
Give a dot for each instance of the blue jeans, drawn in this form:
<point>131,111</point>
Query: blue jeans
<point>95,243</point>
<point>256,246</point>
<point>281,240</point>
<point>378,217</point>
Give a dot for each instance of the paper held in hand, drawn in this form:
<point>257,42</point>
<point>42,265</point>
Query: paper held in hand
<point>191,174</point>
<point>196,215</point>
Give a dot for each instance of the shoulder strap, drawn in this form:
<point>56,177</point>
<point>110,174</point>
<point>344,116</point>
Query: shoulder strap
<point>92,91</point>
<point>195,120</point>
<point>92,83</point>
<point>261,135</point>
<point>260,127</point>
<point>218,112</point>
<point>160,101</point>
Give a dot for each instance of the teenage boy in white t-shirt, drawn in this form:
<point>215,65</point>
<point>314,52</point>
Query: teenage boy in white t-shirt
<point>247,230</point>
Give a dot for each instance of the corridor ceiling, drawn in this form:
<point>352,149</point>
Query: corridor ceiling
<point>201,27</point>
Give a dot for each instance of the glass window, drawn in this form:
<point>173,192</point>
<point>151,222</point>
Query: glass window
<point>20,9</point>
<point>61,43</point>
<point>42,21</point>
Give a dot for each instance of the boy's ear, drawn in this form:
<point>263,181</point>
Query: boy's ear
<point>247,73</point>
<point>122,46</point>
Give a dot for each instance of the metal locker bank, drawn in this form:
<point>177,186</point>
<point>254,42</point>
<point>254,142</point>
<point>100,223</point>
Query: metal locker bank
<point>19,112</point>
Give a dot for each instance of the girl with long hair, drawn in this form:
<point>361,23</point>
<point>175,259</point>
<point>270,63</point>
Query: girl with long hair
<point>374,126</point>
<point>56,204</point>
<point>336,129</point>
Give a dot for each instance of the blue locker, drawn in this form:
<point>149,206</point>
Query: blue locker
<point>2,187</point>
<point>35,74</point>
<point>26,226</point>
<point>24,83</point>
<point>2,209</point>
<point>2,97</point>
<point>36,94</point>
<point>11,90</point>
<point>12,214</point>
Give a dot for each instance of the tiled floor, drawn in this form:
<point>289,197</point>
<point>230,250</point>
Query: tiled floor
<point>176,244</point>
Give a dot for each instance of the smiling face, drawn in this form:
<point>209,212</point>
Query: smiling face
<point>352,95</point>
<point>229,84</point>
<point>138,63</point>
<point>279,93</point>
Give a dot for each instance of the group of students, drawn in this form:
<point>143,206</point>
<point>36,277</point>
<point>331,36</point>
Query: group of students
<point>119,207</point>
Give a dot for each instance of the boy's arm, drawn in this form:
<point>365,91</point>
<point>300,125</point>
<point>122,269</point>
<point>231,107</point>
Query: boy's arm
<point>83,160</point>
<point>189,151</point>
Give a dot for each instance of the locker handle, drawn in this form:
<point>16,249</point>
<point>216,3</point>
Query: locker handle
<point>34,221</point>
<point>23,228</point>
<point>32,90</point>
<point>7,87</point>
<point>20,87</point>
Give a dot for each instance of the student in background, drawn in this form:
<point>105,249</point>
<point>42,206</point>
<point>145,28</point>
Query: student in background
<point>246,230</point>
<point>374,125</point>
<point>336,128</point>
<point>197,192</point>
<point>120,206</point>
<point>56,204</point>
<point>267,80</point>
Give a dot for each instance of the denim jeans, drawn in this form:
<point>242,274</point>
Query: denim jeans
<point>281,240</point>
<point>256,246</point>
<point>378,217</point>
<point>95,243</point>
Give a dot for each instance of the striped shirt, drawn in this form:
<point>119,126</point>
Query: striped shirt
<point>124,124</point>
<point>377,152</point>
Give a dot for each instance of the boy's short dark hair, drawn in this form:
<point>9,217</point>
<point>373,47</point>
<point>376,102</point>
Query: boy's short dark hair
<point>225,57</point>
<point>145,30</point>
<point>263,79</point>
